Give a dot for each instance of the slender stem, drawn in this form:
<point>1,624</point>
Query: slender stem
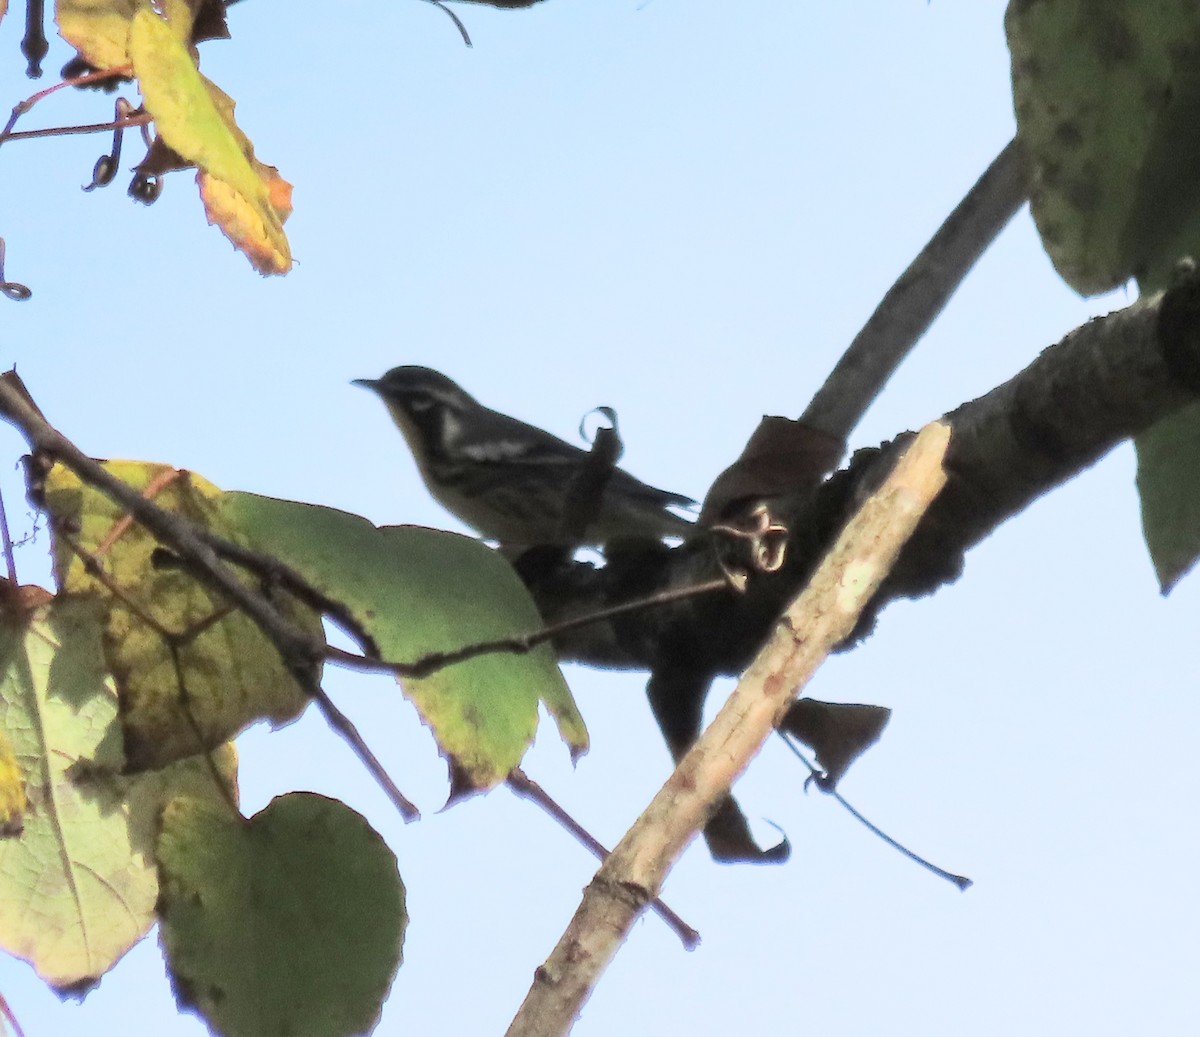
<point>344,726</point>
<point>7,544</point>
<point>462,29</point>
<point>919,295</point>
<point>518,644</point>
<point>21,107</point>
<point>69,131</point>
<point>523,785</point>
<point>961,881</point>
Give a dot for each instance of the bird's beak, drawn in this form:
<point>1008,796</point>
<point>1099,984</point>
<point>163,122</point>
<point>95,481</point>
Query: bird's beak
<point>367,383</point>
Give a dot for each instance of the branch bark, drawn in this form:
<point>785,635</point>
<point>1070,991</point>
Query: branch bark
<point>820,618</point>
<point>1106,381</point>
<point>912,304</point>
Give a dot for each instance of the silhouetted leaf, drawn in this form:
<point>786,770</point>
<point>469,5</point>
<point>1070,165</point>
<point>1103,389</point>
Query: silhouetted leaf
<point>838,732</point>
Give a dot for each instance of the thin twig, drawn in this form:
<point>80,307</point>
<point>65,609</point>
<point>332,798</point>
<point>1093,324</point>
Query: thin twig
<point>816,621</point>
<point>7,544</point>
<point>344,726</point>
<point>21,107</point>
<point>961,881</point>
<point>518,644</point>
<point>523,785</point>
<point>919,295</point>
<point>462,29</point>
<point>69,131</point>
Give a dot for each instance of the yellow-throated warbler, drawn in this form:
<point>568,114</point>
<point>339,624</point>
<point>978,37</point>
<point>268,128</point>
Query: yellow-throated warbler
<point>507,480</point>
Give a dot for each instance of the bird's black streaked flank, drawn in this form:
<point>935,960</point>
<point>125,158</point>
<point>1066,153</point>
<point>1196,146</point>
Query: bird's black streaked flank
<point>505,479</point>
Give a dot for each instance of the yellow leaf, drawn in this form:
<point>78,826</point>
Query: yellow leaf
<point>98,29</point>
<point>79,884</point>
<point>243,224</point>
<point>212,684</point>
<point>196,120</point>
<point>12,787</point>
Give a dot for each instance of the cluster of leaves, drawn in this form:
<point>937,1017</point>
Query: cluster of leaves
<point>194,119</point>
<point>118,794</point>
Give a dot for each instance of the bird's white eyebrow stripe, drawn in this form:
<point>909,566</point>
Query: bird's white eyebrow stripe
<point>496,450</point>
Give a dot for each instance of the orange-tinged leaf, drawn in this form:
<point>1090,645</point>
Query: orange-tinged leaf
<point>196,120</point>
<point>243,223</point>
<point>279,191</point>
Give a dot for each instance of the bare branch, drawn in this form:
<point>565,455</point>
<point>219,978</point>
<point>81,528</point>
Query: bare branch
<point>1106,381</point>
<point>820,618</point>
<point>919,295</point>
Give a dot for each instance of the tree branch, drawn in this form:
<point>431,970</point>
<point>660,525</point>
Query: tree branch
<point>820,618</point>
<point>919,295</point>
<point>1106,381</point>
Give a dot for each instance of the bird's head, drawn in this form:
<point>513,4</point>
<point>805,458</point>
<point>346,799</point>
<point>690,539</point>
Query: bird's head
<point>425,404</point>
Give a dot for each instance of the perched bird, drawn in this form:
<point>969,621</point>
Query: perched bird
<point>505,479</point>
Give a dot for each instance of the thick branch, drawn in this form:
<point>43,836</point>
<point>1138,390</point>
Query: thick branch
<point>1106,381</point>
<point>821,617</point>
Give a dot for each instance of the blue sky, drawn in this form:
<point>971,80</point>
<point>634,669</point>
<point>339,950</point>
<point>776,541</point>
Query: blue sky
<point>683,211</point>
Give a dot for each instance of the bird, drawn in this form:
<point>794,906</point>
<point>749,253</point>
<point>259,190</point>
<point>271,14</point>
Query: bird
<point>510,481</point>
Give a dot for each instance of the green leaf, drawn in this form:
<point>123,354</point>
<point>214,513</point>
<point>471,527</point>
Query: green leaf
<point>231,673</point>
<point>418,591</point>
<point>1170,491</point>
<point>289,923</point>
<point>1108,109</point>
<point>1107,97</point>
<point>78,887</point>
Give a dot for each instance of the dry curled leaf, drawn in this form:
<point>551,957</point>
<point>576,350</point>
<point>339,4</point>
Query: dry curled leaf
<point>838,732</point>
<point>783,457</point>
